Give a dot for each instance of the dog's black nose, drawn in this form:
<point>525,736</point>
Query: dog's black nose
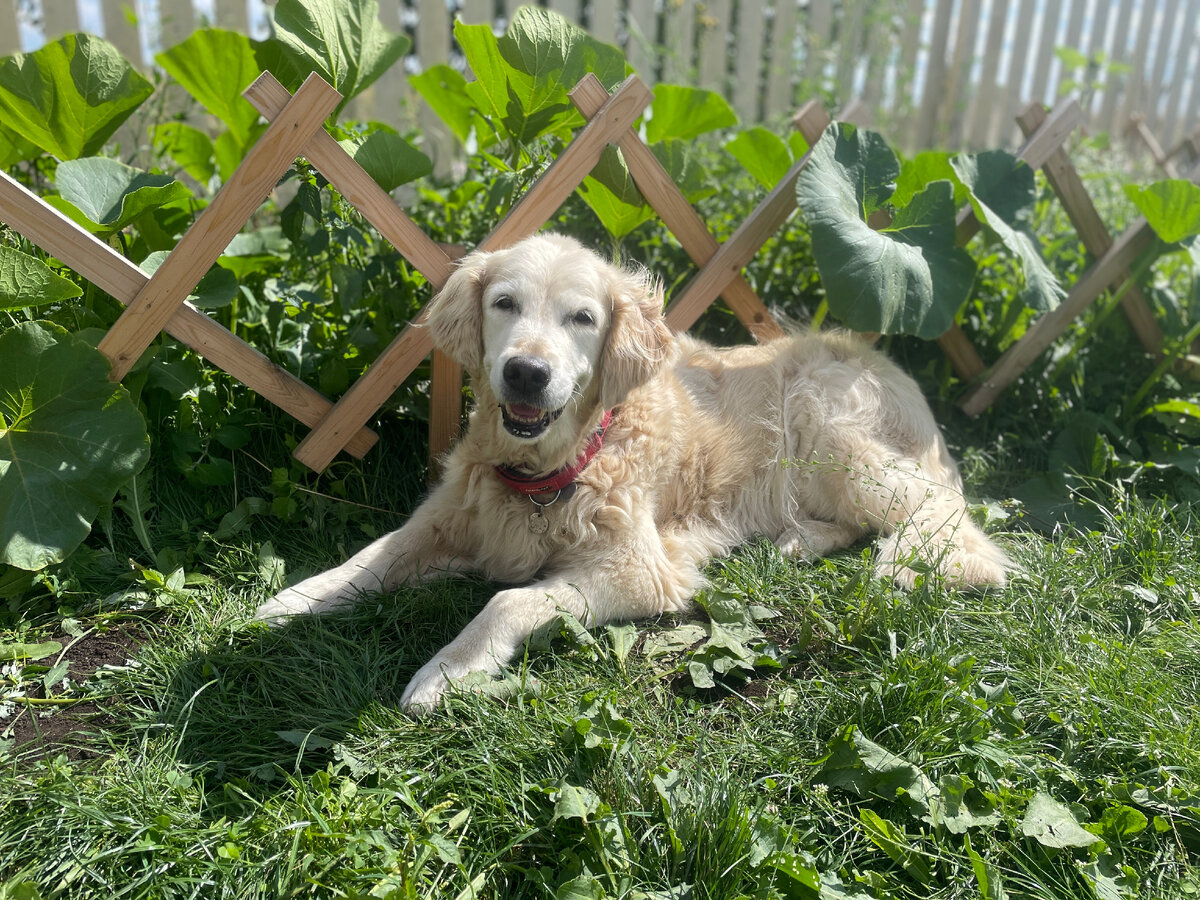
<point>527,375</point>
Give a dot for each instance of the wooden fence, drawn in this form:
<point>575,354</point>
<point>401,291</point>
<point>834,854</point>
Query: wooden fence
<point>158,302</point>
<point>926,72</point>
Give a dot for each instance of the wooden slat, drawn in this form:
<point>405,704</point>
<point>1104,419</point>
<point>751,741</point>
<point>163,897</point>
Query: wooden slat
<point>1187,56</point>
<point>849,47</point>
<point>979,125</point>
<point>747,87</point>
<point>783,60</point>
<point>1119,54</point>
<point>270,97</point>
<point>818,30</point>
<point>602,20</point>
<point>1041,334</point>
<point>1166,32</point>
<point>681,219</point>
<point>116,275</point>
<point>59,17</point>
<point>9,30</point>
<point>232,15</point>
<point>1045,330</point>
<point>401,356</point>
<point>445,405</point>
<point>956,90</point>
<point>679,39</point>
<point>1073,196</point>
<point>122,33</point>
<point>217,225</point>
<point>712,56</point>
<point>1015,79</point>
<point>569,9</point>
<point>905,101</point>
<point>1136,79</point>
<point>432,39</point>
<point>642,28</point>
<point>935,75</point>
<point>478,12</point>
<point>176,20</point>
<point>1046,43</point>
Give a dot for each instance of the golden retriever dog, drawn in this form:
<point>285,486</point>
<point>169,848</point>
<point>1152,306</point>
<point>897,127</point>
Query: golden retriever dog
<point>606,459</point>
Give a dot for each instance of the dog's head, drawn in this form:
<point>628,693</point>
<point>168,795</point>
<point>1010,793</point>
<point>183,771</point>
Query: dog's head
<point>547,327</point>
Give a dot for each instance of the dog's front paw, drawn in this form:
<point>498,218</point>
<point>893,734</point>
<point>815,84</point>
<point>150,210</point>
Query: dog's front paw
<point>428,686</point>
<point>283,606</point>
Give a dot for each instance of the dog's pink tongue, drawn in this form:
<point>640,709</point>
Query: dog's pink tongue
<point>521,411</point>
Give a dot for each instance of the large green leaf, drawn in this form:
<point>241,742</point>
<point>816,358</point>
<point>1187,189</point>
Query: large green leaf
<point>1002,193</point>
<point>684,112</point>
<point>25,281</point>
<point>908,278</point>
<point>71,95</point>
<point>546,46</point>
<point>614,197</point>
<point>445,90</point>
<point>69,438</point>
<point>920,170</point>
<point>341,40</point>
<point>189,147</point>
<point>110,194</point>
<point>215,66</point>
<point>15,149</point>
<point>216,289</point>
<point>522,79</point>
<point>1052,824</point>
<point>1172,207</point>
<point>389,159</point>
<point>762,153</point>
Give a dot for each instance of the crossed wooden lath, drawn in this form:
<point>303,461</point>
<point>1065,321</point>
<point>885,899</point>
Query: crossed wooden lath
<point>158,302</point>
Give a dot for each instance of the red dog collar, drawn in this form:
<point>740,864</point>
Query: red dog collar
<point>556,481</point>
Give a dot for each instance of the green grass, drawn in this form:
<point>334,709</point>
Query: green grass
<point>233,761</point>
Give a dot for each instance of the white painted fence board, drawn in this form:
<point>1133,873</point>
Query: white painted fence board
<point>779,96</point>
<point>176,20</point>
<point>232,14</point>
<point>1045,55</point>
<point>1134,93</point>
<point>980,123</point>
<point>850,48</point>
<point>122,33</point>
<point>713,53</point>
<point>569,9</point>
<point>958,78</point>
<point>1187,56</point>
<point>748,61</point>
<point>819,31</point>
<point>59,17</point>
<point>478,12</point>
<point>679,42</point>
<point>935,75</point>
<point>1114,84</point>
<point>602,19</point>
<point>639,46</point>
<point>1166,34</point>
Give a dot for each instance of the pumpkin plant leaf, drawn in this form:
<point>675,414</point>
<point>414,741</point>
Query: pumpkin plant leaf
<point>111,194</point>
<point>215,66</point>
<point>1171,206</point>
<point>1001,189</point>
<point>69,438</point>
<point>26,281</point>
<point>341,40</point>
<point>389,159</point>
<point>68,97</point>
<point>908,278</point>
<point>682,112</point>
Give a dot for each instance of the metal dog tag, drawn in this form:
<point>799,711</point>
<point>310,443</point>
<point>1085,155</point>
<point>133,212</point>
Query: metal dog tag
<point>538,523</point>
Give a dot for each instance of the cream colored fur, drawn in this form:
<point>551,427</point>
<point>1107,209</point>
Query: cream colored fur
<point>812,440</point>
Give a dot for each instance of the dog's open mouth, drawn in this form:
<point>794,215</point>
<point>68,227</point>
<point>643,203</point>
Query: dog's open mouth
<point>527,421</point>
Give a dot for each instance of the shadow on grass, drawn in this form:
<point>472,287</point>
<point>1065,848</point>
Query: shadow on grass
<point>269,701</point>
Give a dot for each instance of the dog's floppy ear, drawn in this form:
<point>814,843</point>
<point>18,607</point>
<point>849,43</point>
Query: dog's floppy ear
<point>638,338</point>
<point>455,317</point>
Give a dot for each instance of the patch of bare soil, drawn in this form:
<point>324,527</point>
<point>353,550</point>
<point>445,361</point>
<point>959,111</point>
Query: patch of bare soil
<point>38,731</point>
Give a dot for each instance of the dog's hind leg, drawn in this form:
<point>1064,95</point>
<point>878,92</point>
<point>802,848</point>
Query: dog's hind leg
<point>814,538</point>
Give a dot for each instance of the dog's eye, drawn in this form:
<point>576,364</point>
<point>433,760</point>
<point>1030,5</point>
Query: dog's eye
<point>505,303</point>
<point>583,317</point>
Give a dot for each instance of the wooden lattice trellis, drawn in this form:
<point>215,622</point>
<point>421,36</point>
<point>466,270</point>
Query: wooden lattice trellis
<point>1043,149</point>
<point>156,303</point>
